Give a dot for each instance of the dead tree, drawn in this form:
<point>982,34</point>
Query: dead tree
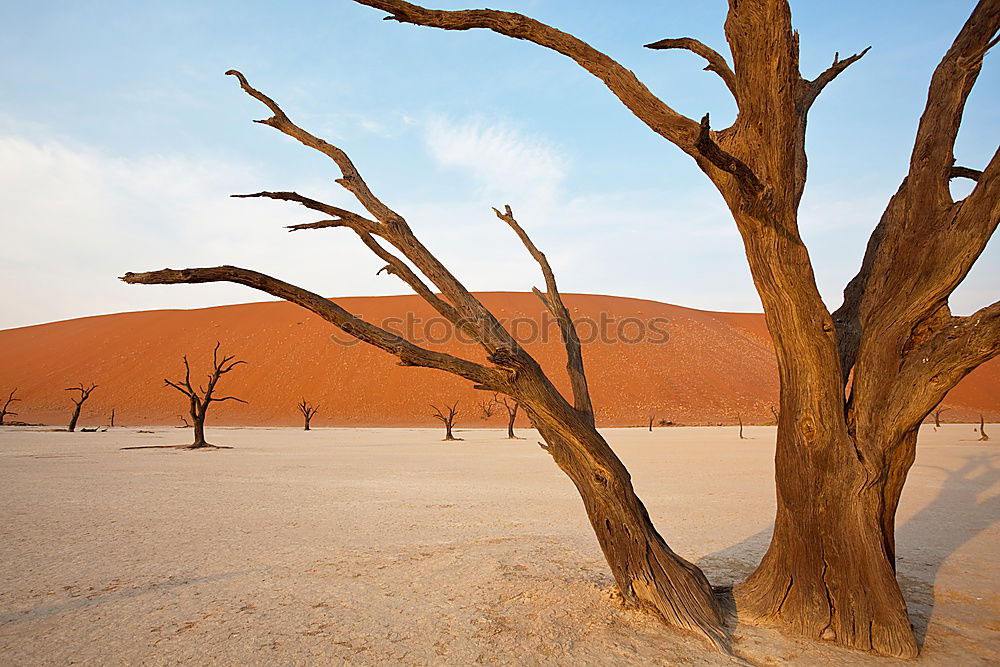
<point>202,397</point>
<point>509,405</point>
<point>774,413</point>
<point>937,416</point>
<point>856,383</point>
<point>84,394</point>
<point>740,420</point>
<point>647,571</point>
<point>651,423</point>
<point>982,429</point>
<point>308,412</point>
<point>112,424</point>
<point>5,411</point>
<point>447,419</point>
<point>184,422</point>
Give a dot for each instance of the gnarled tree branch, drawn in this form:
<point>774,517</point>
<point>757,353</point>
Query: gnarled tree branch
<point>553,301</point>
<point>407,352</point>
<point>716,63</point>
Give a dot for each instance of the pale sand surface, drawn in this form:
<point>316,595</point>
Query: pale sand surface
<point>386,546</point>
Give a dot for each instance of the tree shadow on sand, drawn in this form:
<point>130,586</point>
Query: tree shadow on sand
<point>957,514</point>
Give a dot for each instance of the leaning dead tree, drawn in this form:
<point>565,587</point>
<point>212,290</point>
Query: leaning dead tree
<point>982,429</point>
<point>200,398</point>
<point>647,571</point>
<point>308,412</point>
<point>510,407</point>
<point>855,384</point>
<point>446,417</point>
<point>6,411</point>
<point>739,418</point>
<point>83,393</point>
<point>937,416</point>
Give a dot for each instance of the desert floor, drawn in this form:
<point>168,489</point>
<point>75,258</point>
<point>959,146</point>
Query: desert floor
<point>388,546</point>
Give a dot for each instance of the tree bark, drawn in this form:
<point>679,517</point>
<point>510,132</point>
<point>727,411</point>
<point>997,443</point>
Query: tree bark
<point>76,416</point>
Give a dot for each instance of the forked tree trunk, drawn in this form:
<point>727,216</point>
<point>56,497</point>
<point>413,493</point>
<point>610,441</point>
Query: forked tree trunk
<point>198,421</point>
<point>829,572</point>
<point>447,431</point>
<point>511,417</point>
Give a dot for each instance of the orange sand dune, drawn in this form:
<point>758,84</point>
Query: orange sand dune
<point>643,359</point>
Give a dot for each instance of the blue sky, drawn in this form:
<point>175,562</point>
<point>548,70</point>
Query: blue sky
<point>120,141</point>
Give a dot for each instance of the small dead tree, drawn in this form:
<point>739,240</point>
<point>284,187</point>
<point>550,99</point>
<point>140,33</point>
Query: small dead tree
<point>740,420</point>
<point>202,397</point>
<point>5,411</point>
<point>84,393</point>
<point>184,422</point>
<point>112,423</point>
<point>982,429</point>
<point>509,405</point>
<point>937,416</point>
<point>649,574</point>
<point>774,413</point>
<point>308,412</point>
<point>447,419</point>
<point>652,417</point>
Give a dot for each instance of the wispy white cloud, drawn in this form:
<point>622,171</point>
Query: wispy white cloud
<point>504,161</point>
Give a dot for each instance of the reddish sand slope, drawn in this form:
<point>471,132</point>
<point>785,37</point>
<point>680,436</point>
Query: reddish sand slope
<point>643,358</point>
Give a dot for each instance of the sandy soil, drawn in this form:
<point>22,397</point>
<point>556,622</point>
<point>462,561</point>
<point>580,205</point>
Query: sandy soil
<point>390,547</point>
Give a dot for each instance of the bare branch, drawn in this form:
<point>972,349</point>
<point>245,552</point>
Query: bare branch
<point>650,109</point>
<point>351,179</point>
<point>342,217</point>
<point>815,87</point>
<point>716,63</point>
<point>728,163</point>
<point>213,399</point>
<point>406,351</point>
<point>553,301</point>
<point>966,172</point>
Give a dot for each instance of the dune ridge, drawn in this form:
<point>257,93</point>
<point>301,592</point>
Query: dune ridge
<point>644,359</point>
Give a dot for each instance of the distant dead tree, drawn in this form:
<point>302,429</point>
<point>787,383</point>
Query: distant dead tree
<point>774,413</point>
<point>509,405</point>
<point>202,397</point>
<point>982,429</point>
<point>447,419</point>
<point>308,412</point>
<point>5,411</point>
<point>84,394</point>
<point>651,418</point>
<point>740,420</point>
<point>937,416</point>
<point>184,421</point>
<point>112,424</point>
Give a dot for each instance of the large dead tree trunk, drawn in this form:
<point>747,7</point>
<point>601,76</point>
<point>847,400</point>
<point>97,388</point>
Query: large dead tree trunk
<point>6,411</point>
<point>855,384</point>
<point>83,393</point>
<point>202,397</point>
<point>647,571</point>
